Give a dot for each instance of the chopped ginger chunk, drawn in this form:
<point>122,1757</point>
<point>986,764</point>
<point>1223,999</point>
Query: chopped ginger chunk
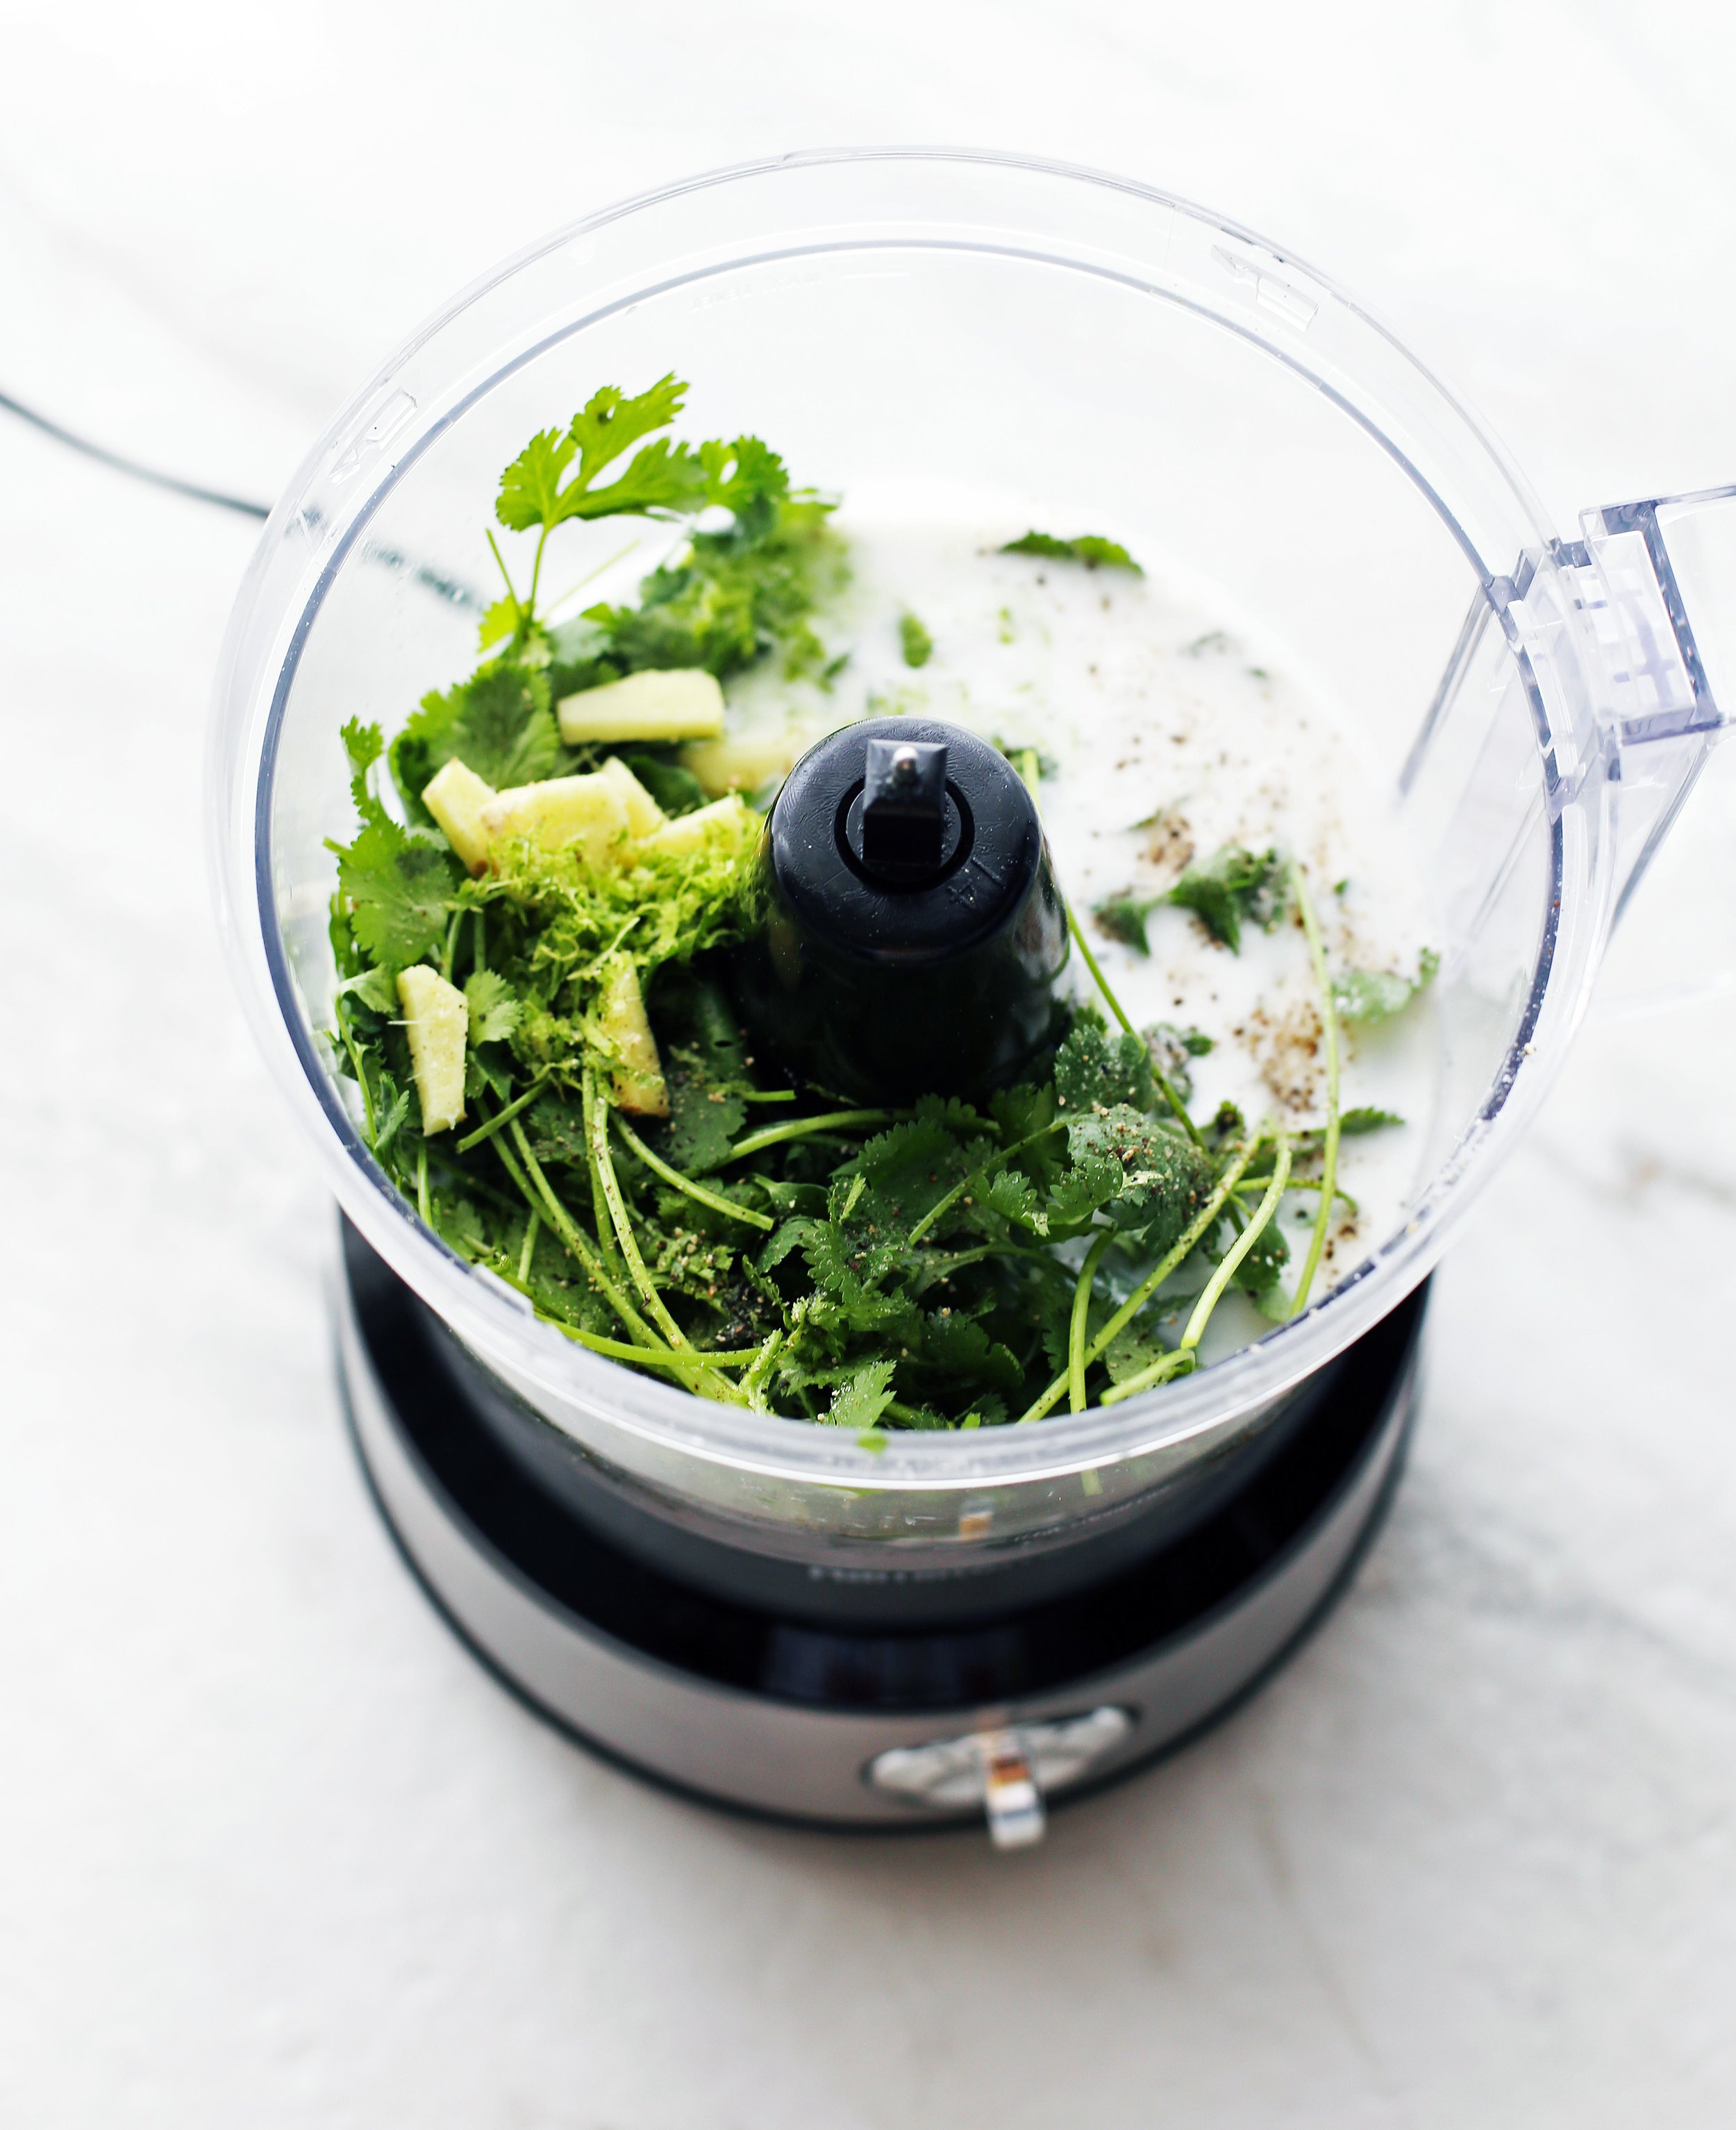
<point>626,1033</point>
<point>686,704</point>
<point>436,1021</point>
<point>455,797</point>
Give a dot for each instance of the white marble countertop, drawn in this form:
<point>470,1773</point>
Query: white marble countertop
<point>273,1850</point>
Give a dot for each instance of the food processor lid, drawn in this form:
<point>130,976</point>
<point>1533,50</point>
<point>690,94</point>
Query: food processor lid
<point>1619,640</point>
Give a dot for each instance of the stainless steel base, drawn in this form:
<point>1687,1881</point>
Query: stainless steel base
<point>849,1768</point>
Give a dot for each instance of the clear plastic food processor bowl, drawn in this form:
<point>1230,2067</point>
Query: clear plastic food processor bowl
<point>1540,706</point>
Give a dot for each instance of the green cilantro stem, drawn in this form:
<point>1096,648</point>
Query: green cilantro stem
<point>602,1218</point>
<point>1114,1004</point>
<point>1098,977</point>
<point>502,1118</point>
<point>697,1192</point>
<point>361,1077</point>
<point>945,1264</point>
<point>804,1127</point>
<point>525,1254</point>
<point>422,1205</point>
<point>1329,1023</point>
<point>659,1357</point>
<point>569,1232</point>
<point>1201,1223</point>
<point>578,584</point>
<point>1183,1358</point>
<point>450,952</point>
<point>1251,1187</point>
<point>1080,1321</point>
<point>753,1383</point>
<point>976,1177</point>
<point>505,575</point>
<point>764,1094</point>
<point>596,1129</point>
<point>1243,1244</point>
<point>688,1359</point>
<point>1181,1361</point>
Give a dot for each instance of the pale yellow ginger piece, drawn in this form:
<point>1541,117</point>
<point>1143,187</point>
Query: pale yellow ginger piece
<point>562,813</point>
<point>627,1036</point>
<point>725,822</point>
<point>742,761</point>
<point>643,815</point>
<point>437,1020</point>
<point>455,797</point>
<point>686,704</point>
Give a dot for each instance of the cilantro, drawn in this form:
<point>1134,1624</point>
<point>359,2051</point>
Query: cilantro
<point>1160,1179</point>
<point>705,1069</point>
<point>659,478</point>
<point>399,889</point>
<point>1172,1051</point>
<point>371,987</point>
<point>1096,1070</point>
<point>734,596</point>
<point>364,746</point>
<point>1123,916</point>
<point>676,790</point>
<point>1367,995</point>
<point>499,722</point>
<point>1233,885</point>
<point>863,1396</point>
<point>1091,548</point>
<point>1355,1122</point>
<point>495,1011</point>
<point>915,641</point>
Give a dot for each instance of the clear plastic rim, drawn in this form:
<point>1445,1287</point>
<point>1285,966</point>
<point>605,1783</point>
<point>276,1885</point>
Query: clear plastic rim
<point>248,714</point>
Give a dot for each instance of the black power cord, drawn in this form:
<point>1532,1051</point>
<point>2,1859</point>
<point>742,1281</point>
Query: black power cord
<point>121,464</point>
<point>443,587</point>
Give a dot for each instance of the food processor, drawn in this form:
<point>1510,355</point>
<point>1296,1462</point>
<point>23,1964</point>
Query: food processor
<point>924,1630</point>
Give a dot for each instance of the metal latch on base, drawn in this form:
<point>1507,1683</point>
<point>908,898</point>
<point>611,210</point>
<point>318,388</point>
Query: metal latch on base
<point>1007,1770</point>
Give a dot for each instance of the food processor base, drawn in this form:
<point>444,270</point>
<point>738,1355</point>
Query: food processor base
<point>847,1729</point>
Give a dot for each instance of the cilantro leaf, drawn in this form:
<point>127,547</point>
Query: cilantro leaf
<point>399,889</point>
<point>396,1102</point>
<point>1172,1050</point>
<point>373,988</point>
<point>1132,1351</point>
<point>1123,916</point>
<point>1091,548</point>
<point>704,1070</point>
<point>733,598</point>
<point>556,1131</point>
<point>863,1396</point>
<point>746,479</point>
<point>676,790</point>
<point>1096,1070</point>
<point>495,1008</point>
<point>364,746</point>
<point>501,619</point>
<point>1161,1180</point>
<point>1355,1122</point>
<point>1234,884</point>
<point>660,477</point>
<point>609,421</point>
<point>1368,995</point>
<point>499,722</point>
<point>1257,1273</point>
<point>915,641</point>
<point>529,488</point>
